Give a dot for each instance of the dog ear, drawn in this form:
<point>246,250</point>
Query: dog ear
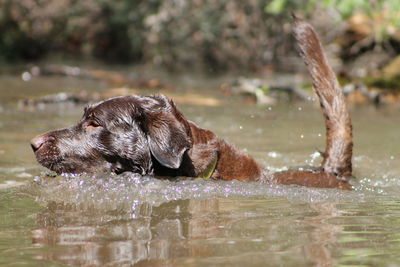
<point>167,130</point>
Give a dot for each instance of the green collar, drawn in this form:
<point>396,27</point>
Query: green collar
<point>207,173</point>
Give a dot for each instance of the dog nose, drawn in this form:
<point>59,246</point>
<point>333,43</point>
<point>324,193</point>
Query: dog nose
<point>39,140</point>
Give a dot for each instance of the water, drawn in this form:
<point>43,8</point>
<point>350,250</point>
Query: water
<point>123,220</point>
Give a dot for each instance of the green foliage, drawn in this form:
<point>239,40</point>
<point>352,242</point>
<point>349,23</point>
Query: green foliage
<point>345,7</point>
<point>275,6</point>
<point>383,14</point>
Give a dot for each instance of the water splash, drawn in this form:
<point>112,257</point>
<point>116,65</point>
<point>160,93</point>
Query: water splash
<point>128,191</point>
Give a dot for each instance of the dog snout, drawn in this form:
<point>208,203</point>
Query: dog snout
<point>38,141</point>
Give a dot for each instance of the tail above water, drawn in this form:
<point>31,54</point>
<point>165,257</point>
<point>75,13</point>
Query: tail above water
<point>339,147</point>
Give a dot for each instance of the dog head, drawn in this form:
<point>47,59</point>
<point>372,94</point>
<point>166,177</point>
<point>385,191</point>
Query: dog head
<point>119,134</point>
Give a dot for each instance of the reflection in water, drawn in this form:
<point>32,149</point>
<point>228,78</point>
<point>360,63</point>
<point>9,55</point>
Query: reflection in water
<point>167,232</point>
<point>324,234</point>
<point>158,234</point>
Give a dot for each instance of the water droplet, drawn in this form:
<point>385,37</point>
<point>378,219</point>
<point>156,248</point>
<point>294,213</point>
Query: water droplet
<point>273,154</point>
<point>26,76</point>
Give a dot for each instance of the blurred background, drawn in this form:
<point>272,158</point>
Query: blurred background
<point>214,37</point>
<point>209,35</point>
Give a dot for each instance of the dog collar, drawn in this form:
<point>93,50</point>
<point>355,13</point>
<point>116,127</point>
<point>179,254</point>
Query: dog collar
<point>208,172</point>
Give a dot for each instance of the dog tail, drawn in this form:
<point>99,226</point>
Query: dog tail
<point>339,147</point>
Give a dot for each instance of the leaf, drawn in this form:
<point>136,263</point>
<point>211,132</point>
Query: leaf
<point>275,7</point>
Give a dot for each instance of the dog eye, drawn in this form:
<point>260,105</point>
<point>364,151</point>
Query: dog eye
<point>93,124</point>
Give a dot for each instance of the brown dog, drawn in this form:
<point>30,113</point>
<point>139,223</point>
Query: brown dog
<point>148,135</point>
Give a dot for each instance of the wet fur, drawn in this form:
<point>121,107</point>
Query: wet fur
<point>338,153</point>
<point>148,135</point>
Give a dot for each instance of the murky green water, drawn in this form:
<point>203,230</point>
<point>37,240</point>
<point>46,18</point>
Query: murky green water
<point>126,220</point>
